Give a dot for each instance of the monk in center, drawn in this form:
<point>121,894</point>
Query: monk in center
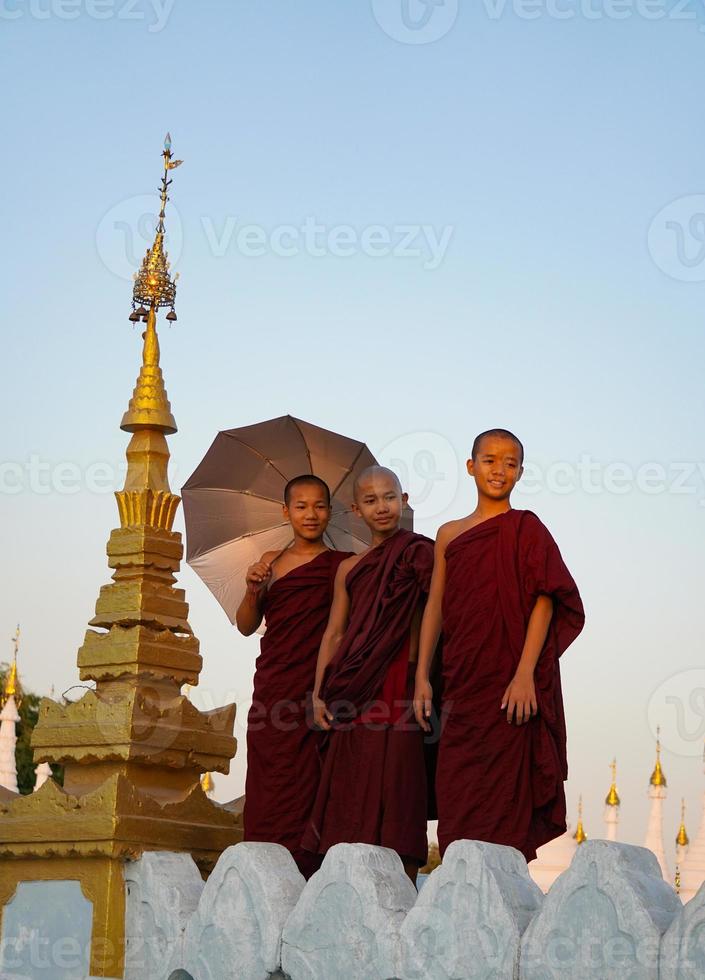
<point>373,787</point>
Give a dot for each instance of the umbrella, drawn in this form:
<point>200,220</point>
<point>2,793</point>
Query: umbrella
<point>233,500</point>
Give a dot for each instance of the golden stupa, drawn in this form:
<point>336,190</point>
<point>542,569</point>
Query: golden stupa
<point>134,748</point>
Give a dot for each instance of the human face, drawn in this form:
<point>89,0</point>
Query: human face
<point>308,511</point>
<point>380,502</point>
<point>496,468</point>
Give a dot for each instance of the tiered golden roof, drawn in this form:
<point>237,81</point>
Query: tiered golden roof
<point>580,836</point>
<point>612,798</point>
<point>134,748</point>
<point>658,777</point>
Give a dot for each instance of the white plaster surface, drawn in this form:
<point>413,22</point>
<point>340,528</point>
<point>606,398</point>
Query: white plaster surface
<point>235,933</point>
<point>162,893</point>
<point>683,946</point>
<point>469,918</point>
<point>603,918</point>
<point>347,921</point>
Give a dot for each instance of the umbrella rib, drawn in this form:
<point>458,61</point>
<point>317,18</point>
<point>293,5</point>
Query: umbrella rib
<point>363,446</point>
<point>303,439</point>
<point>240,493</point>
<point>240,537</point>
<point>261,454</point>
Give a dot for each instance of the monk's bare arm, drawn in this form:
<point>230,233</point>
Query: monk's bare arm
<point>337,621</point>
<point>249,613</point>
<point>520,696</point>
<point>430,631</point>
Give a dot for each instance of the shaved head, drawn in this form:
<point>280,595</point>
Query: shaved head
<point>306,480</point>
<point>372,473</point>
<point>496,434</point>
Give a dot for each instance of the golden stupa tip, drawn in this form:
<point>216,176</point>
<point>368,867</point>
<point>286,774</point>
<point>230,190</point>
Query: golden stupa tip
<point>682,839</point>
<point>612,798</point>
<point>658,777</point>
<point>154,285</point>
<point>207,783</point>
<point>149,406</point>
<point>11,687</point>
<point>580,836</point>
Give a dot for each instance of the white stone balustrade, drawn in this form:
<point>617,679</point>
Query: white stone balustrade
<point>609,916</point>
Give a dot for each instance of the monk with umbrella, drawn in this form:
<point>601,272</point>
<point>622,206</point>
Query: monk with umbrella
<point>268,520</point>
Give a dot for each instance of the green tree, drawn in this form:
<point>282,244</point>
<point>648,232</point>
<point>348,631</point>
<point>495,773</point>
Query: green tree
<point>29,716</point>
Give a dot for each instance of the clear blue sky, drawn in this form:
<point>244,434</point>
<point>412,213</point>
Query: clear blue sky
<point>538,152</point>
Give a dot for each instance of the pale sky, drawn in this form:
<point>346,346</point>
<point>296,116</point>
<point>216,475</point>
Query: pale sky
<point>404,223</point>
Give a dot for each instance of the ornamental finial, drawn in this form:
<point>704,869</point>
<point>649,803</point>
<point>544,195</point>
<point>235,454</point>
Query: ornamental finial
<point>658,777</point>
<point>612,798</point>
<point>154,287</point>
<point>12,684</point>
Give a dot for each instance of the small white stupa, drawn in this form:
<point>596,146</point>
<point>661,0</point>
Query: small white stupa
<point>554,858</point>
<point>612,804</point>
<point>9,716</point>
<point>692,871</point>
<point>657,794</point>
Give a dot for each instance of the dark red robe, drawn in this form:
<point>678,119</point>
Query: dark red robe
<point>373,783</point>
<point>496,781</point>
<point>283,766</point>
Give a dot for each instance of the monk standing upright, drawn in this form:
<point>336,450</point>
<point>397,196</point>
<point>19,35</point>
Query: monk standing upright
<point>373,783</point>
<point>508,608</point>
<point>293,589</point>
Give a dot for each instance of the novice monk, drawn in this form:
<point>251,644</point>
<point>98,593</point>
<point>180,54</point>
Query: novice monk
<point>373,783</point>
<point>508,608</point>
<point>293,589</point>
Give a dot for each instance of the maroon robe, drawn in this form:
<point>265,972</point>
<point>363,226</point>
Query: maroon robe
<point>373,783</point>
<point>283,766</point>
<point>496,781</point>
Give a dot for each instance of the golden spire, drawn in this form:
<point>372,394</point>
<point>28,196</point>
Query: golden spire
<point>580,836</point>
<point>12,684</point>
<point>153,283</point>
<point>657,776</point>
<point>612,798</point>
<point>682,839</point>
<point>207,783</point>
<point>149,406</point>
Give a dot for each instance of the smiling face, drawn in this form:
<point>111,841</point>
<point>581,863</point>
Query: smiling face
<point>308,510</point>
<point>379,500</point>
<point>496,467</point>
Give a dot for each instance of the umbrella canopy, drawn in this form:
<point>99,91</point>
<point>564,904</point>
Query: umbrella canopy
<point>233,500</point>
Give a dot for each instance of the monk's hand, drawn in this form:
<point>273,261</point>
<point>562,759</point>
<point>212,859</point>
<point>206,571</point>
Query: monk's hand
<point>322,717</point>
<point>423,703</point>
<point>520,698</point>
<point>257,576</point>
